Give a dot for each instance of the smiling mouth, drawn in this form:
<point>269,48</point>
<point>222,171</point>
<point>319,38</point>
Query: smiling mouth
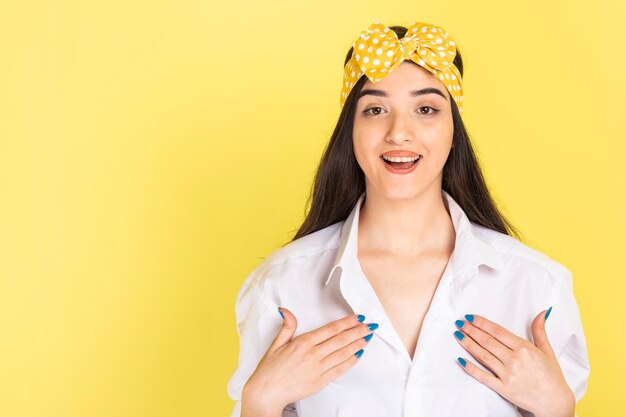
<point>401,164</point>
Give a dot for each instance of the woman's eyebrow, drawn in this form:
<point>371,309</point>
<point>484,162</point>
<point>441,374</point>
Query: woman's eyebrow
<point>412,93</point>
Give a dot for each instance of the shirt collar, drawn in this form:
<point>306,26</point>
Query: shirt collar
<point>469,253</point>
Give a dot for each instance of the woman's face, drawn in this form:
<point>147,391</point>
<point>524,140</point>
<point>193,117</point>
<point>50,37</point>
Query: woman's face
<point>389,117</point>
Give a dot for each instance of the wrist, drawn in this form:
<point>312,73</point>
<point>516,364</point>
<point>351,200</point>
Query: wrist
<point>572,414</point>
<point>255,404</point>
<point>567,409</point>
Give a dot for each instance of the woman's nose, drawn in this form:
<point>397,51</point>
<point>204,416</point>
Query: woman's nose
<point>400,130</point>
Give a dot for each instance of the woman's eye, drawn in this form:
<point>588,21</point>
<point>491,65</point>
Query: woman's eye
<point>434,110</point>
<point>371,108</point>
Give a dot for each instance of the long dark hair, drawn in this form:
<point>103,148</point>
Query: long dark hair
<point>339,180</point>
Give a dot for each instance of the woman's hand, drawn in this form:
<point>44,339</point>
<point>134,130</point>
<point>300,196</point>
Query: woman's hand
<point>294,369</point>
<point>526,374</point>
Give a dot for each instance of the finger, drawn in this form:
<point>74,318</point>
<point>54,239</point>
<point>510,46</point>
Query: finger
<point>334,372</point>
<point>333,328</point>
<point>481,354</point>
<point>342,354</point>
<point>540,337</point>
<point>484,377</point>
<point>503,335</point>
<point>290,323</point>
<point>486,341</point>
<point>346,337</point>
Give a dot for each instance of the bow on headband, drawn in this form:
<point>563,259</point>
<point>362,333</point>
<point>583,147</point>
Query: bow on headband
<point>378,51</point>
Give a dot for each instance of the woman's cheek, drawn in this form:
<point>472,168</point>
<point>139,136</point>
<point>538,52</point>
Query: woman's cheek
<point>361,159</point>
<point>364,148</point>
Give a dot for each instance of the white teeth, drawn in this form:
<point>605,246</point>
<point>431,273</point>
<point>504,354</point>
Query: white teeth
<point>400,158</point>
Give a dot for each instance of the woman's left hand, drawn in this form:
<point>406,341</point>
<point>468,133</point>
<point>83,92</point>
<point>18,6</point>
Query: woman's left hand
<point>526,374</point>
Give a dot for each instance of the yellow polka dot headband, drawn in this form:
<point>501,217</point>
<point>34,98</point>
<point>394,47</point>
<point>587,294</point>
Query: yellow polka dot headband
<point>378,51</point>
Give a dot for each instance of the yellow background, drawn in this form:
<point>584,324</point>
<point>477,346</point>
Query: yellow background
<point>153,152</point>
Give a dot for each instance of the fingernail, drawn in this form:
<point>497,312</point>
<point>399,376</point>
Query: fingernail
<point>359,353</point>
<point>372,326</point>
<point>368,337</point>
<point>360,318</point>
<point>470,317</point>
<point>548,313</point>
<point>281,313</point>
<point>459,323</point>
<point>462,362</point>
<point>459,335</point>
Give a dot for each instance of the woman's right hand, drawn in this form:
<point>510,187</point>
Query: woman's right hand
<point>294,369</point>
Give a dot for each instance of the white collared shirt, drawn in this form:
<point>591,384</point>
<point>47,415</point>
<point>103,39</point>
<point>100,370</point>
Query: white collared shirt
<point>318,278</point>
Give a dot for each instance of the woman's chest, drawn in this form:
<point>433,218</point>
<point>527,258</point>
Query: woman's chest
<point>384,383</point>
<point>405,290</point>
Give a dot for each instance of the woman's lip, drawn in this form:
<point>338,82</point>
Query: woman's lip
<point>401,171</point>
<point>410,154</point>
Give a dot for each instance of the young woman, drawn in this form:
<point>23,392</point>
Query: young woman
<point>403,292</point>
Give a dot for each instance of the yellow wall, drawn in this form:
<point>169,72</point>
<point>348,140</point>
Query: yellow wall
<point>152,152</point>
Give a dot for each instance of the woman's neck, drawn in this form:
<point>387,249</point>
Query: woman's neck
<point>406,227</point>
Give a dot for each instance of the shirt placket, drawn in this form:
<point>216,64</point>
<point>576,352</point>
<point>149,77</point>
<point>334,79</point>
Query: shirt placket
<point>441,310</point>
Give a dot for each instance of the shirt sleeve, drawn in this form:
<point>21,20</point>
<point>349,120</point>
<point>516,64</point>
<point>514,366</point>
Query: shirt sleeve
<point>258,322</point>
<point>567,337</point>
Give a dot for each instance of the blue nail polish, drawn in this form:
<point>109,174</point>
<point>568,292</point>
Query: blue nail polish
<point>462,362</point>
<point>372,326</point>
<point>470,317</point>
<point>459,335</point>
<point>548,313</point>
<point>281,313</point>
<point>360,318</point>
<point>359,353</point>
<point>459,323</point>
<point>368,337</point>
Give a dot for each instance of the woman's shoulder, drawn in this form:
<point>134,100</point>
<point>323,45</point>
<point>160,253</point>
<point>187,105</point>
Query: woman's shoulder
<point>310,245</point>
<point>302,253</point>
<point>518,255</point>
